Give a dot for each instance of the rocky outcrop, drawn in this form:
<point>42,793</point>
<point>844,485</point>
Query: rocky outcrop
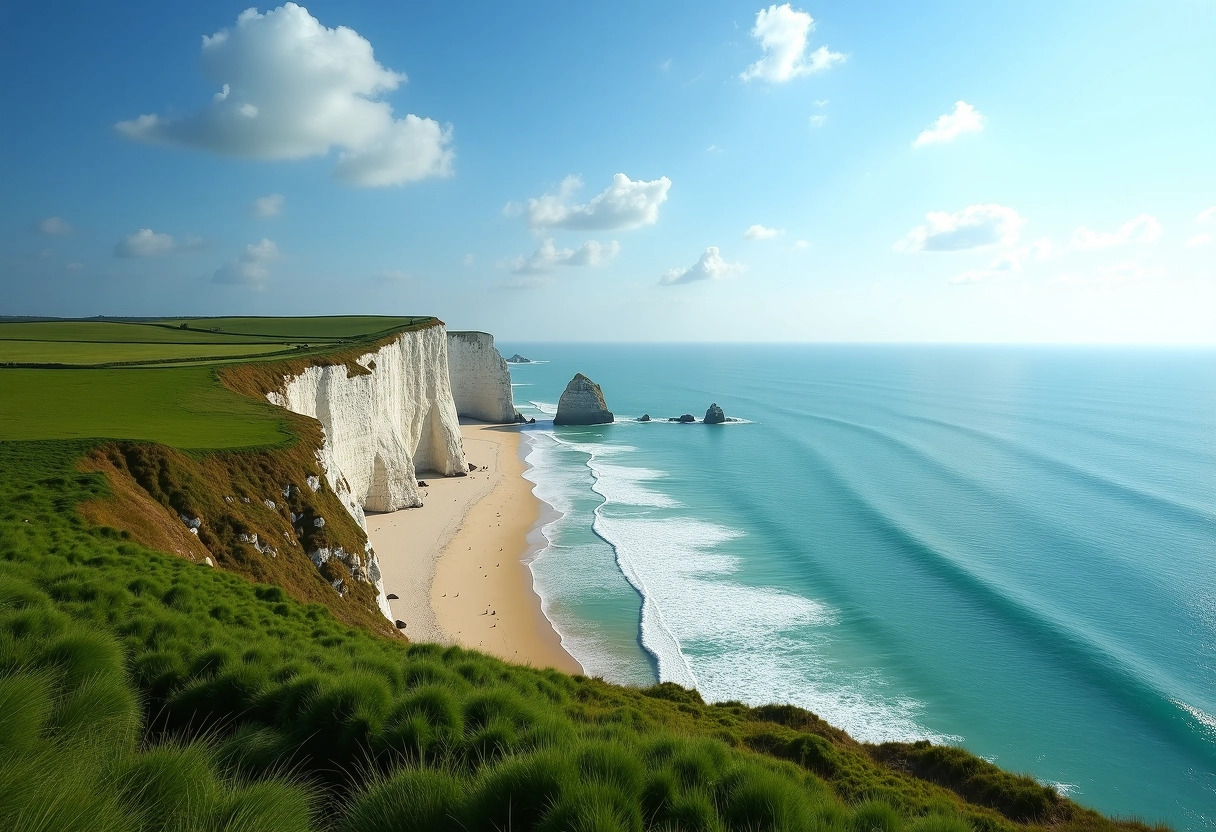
<point>686,419</point>
<point>645,417</point>
<point>714,416</point>
<point>518,359</point>
<point>479,378</point>
<point>582,403</point>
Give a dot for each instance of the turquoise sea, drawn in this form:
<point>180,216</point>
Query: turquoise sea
<point>1008,548</point>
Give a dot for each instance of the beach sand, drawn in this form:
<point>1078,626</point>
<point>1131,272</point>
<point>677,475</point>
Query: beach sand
<point>459,563</point>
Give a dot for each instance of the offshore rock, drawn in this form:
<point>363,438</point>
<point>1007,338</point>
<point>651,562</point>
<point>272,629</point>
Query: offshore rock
<point>714,416</point>
<point>518,359</point>
<point>582,403</point>
<point>645,417</point>
<point>686,419</point>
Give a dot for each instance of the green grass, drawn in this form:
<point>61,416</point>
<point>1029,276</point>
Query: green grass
<point>168,401</point>
<point>85,353</point>
<point>336,327</point>
<point>185,407</point>
<point>140,691</point>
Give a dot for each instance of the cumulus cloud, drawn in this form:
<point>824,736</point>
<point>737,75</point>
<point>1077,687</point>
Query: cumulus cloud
<point>548,255</point>
<point>760,232</point>
<point>270,205</point>
<point>290,88</point>
<point>54,227</point>
<point>625,204</point>
<point>1141,229</point>
<point>251,268</point>
<point>711,266</point>
<point>783,33</point>
<point>976,226</point>
<point>947,128</point>
<point>148,243</point>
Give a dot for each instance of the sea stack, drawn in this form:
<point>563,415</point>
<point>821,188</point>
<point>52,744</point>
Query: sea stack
<point>714,416</point>
<point>582,403</point>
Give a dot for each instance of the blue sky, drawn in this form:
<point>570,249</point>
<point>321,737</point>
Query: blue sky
<point>1039,172</point>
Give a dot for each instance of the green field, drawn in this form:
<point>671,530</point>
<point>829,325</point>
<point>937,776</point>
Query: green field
<point>154,380</point>
<point>95,343</point>
<point>86,353</point>
<point>185,407</point>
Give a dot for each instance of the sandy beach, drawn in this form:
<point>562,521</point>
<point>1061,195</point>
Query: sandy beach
<point>459,565</point>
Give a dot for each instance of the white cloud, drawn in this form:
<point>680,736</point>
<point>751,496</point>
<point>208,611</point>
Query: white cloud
<point>802,244</point>
<point>822,102</point>
<point>818,120</point>
<point>1008,262</point>
<point>548,255</point>
<point>270,205</point>
<point>976,226</point>
<point>291,88</point>
<point>947,128</point>
<point>1203,238</point>
<point>760,232</point>
<point>711,266</point>
<point>251,267</point>
<point>1141,229</point>
<point>54,226</point>
<point>666,65</point>
<point>1127,273</point>
<point>625,204</point>
<point>148,243</point>
<point>782,33</point>
<point>713,148</point>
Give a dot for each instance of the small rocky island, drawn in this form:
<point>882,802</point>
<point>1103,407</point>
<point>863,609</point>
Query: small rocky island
<point>714,416</point>
<point>582,403</point>
<point>518,359</point>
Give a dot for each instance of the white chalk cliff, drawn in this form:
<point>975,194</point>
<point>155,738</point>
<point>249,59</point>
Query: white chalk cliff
<point>480,378</point>
<point>383,427</point>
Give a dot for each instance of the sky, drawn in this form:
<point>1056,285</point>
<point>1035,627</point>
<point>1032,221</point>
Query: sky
<point>1040,172</point>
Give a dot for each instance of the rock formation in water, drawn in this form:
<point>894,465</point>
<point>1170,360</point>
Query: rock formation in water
<point>645,417</point>
<point>518,359</point>
<point>714,416</point>
<point>479,378</point>
<point>582,403</point>
<point>687,419</point>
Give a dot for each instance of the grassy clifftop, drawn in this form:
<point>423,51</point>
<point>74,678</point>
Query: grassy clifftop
<point>143,690</point>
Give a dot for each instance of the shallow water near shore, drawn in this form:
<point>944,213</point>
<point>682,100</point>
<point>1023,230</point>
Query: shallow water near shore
<point>1009,548</point>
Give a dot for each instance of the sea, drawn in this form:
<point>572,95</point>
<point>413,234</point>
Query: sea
<point>1010,549</point>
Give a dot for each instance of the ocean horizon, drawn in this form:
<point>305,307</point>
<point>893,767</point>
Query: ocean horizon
<point>1007,548</point>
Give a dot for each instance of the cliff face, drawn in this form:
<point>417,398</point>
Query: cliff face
<point>480,379</point>
<point>383,427</point>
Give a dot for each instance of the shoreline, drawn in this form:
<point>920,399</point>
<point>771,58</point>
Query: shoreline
<point>459,564</point>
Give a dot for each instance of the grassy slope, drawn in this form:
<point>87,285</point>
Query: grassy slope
<point>142,691</point>
<point>185,407</point>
